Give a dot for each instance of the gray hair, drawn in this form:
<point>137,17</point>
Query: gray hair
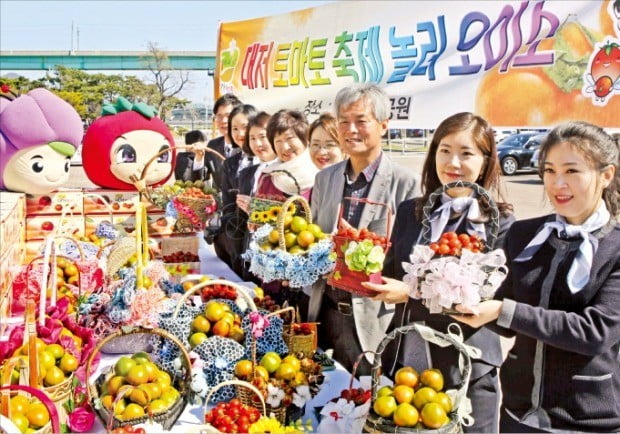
<point>376,96</point>
<point>597,146</point>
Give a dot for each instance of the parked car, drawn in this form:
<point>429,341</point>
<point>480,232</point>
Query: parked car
<point>515,151</point>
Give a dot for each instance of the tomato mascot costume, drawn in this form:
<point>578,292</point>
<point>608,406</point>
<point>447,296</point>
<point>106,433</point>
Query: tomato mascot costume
<point>120,143</point>
<point>39,133</point>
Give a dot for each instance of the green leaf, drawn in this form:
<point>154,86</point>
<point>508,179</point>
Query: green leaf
<point>64,428</point>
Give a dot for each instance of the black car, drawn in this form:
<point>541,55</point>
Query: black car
<point>515,151</point>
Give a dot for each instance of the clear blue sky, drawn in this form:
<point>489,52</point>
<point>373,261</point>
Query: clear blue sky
<point>128,26</point>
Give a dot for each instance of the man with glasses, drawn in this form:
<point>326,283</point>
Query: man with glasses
<point>351,324</point>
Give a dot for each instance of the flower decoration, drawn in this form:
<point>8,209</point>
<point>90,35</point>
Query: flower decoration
<point>266,424</point>
<point>275,395</point>
<point>301,395</point>
<point>259,324</point>
<point>278,264</point>
<point>364,256</point>
<point>445,281</point>
<point>81,417</point>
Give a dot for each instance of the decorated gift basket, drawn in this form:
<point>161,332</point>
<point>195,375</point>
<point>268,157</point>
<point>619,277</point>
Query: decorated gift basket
<point>213,330</point>
<point>359,254</point>
<point>459,268</point>
<point>295,249</point>
<point>348,411</point>
<point>266,208</point>
<point>242,415</point>
<point>426,413</point>
<point>53,342</point>
<point>43,416</point>
<point>134,292</point>
<point>139,389</point>
<point>286,383</point>
<point>191,203</point>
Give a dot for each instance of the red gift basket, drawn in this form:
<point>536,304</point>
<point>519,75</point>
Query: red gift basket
<point>344,278</point>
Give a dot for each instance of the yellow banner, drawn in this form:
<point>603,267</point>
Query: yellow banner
<point>516,63</point>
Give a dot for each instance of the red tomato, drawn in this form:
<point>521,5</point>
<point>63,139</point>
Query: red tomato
<point>454,243</point>
<point>434,247</point>
<point>443,249</point>
<point>464,237</point>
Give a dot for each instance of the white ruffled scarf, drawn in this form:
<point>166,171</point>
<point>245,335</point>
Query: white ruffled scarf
<point>301,167</point>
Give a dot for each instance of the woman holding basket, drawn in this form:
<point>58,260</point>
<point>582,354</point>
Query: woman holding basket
<point>462,149</point>
<point>562,296</point>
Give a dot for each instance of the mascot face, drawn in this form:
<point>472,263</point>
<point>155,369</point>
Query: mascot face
<point>131,151</point>
<point>120,143</point>
<point>39,133</point>
<point>39,169</point>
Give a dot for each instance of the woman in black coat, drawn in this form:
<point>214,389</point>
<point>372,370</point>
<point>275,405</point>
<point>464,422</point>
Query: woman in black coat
<point>562,296</point>
<point>462,148</point>
<point>256,145</point>
<point>229,180</point>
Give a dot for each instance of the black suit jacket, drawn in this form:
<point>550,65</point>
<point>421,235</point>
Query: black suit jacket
<point>213,163</point>
<point>212,166</point>
<point>230,181</point>
<point>404,236</point>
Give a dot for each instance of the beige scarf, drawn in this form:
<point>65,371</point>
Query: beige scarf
<point>301,168</point>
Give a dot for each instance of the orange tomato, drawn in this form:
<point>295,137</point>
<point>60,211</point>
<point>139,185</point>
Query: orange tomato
<point>524,96</point>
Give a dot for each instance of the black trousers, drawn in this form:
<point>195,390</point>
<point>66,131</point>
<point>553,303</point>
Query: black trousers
<point>484,395</point>
<point>337,331</point>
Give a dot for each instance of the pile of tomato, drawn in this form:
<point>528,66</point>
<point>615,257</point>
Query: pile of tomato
<point>353,234</point>
<point>452,244</point>
<point>232,416</point>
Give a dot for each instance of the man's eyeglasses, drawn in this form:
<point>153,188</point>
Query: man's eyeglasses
<point>326,147</point>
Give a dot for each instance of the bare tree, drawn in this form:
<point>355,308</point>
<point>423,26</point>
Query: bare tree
<point>169,81</point>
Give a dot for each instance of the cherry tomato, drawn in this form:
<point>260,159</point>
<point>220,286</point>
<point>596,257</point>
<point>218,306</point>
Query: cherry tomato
<point>434,247</point>
<point>454,243</point>
<point>443,249</point>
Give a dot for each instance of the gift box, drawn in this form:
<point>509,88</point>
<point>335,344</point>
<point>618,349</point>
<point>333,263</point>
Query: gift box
<point>103,201</point>
<point>55,203</point>
<point>41,226</point>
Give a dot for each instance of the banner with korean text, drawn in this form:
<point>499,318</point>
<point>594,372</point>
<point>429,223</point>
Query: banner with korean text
<point>516,63</point>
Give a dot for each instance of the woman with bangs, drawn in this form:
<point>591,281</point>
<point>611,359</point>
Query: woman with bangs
<point>325,148</point>
<point>462,148</point>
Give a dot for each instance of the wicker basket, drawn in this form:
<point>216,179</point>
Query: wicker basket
<point>244,301</point>
<point>348,280</point>
<point>166,418</point>
<point>53,426</point>
<point>238,385</point>
<point>305,344</point>
<point>493,223</point>
<point>59,393</point>
<point>260,204</point>
<point>378,424</point>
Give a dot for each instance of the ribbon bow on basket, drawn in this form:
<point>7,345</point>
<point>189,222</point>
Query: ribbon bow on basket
<point>290,251</point>
<point>460,403</point>
<point>459,268</point>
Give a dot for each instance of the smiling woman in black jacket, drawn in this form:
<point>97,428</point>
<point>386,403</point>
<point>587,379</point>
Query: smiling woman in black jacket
<point>561,298</point>
<point>463,148</point>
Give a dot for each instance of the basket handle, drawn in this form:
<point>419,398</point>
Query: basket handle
<point>240,290</point>
<point>41,396</point>
<point>91,390</point>
<point>425,233</point>
<point>286,172</point>
<point>6,372</point>
<point>282,215</point>
<point>403,330</point>
<point>102,199</point>
<point>358,361</point>
<point>388,229</point>
<point>176,148</point>
<point>237,383</point>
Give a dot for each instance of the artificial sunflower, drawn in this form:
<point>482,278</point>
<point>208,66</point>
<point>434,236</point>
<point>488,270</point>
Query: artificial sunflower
<point>292,209</point>
<point>274,211</point>
<point>266,425</point>
<point>264,216</point>
<point>255,216</point>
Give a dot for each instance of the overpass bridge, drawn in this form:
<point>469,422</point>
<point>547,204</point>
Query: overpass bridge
<point>102,60</point>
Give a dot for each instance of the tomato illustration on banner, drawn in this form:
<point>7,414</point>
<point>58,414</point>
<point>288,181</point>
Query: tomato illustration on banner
<point>602,78</point>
